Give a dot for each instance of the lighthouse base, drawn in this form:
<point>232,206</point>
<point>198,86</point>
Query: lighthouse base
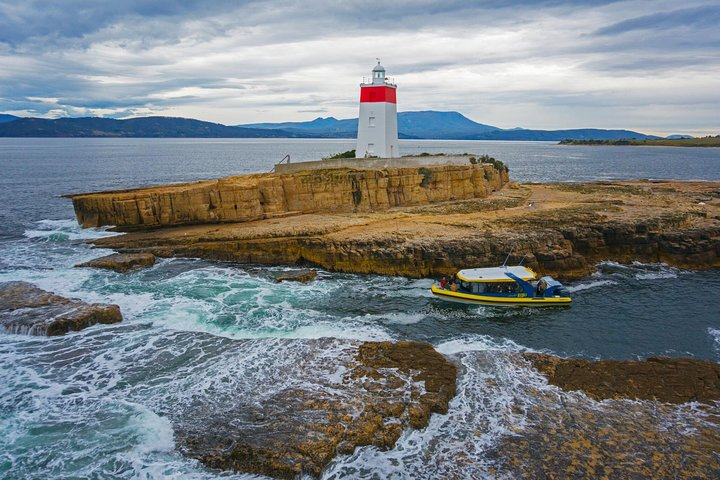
<point>372,163</point>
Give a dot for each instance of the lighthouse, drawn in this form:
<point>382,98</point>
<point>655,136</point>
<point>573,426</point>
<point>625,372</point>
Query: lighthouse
<point>377,122</point>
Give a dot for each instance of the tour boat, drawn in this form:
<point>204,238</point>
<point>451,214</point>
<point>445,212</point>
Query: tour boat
<point>503,286</point>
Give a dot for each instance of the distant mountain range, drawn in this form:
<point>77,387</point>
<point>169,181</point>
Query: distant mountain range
<point>152,127</point>
<point>411,125</point>
<point>426,124</point>
<point>445,126</point>
<point>7,118</point>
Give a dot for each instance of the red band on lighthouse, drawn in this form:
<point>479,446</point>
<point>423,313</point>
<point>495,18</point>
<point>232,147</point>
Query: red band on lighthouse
<point>377,94</point>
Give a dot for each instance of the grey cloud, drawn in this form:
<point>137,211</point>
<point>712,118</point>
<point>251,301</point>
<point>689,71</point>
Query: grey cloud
<point>51,22</point>
<point>81,52</point>
<point>706,16</point>
<point>75,18</point>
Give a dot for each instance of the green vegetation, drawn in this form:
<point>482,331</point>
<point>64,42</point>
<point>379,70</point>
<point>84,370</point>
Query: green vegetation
<point>347,154</point>
<point>498,164</point>
<point>427,176</point>
<point>659,142</point>
<point>425,154</point>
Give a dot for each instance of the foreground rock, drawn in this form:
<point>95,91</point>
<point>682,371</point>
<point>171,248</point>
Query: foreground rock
<point>121,262</point>
<point>302,276</point>
<point>384,389</point>
<point>565,229</point>
<point>566,435</point>
<point>665,379</point>
<point>26,309</point>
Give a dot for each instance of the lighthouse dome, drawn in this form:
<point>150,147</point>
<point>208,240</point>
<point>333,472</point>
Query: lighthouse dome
<point>378,74</point>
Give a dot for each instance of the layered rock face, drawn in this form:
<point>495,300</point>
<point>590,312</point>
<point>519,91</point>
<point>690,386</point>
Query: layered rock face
<point>562,230</point>
<point>27,309</point>
<point>253,197</point>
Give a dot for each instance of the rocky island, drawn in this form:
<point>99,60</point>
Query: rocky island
<point>415,222</point>
<point>426,220</point>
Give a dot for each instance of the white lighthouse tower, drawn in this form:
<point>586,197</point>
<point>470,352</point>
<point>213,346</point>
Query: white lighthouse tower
<point>377,123</point>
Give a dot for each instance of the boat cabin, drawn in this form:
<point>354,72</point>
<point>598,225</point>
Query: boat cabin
<point>495,280</point>
<point>504,285</point>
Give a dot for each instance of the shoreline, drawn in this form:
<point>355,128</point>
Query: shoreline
<point>565,229</point>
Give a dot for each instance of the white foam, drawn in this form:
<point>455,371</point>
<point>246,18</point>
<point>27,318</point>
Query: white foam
<point>587,286</point>
<point>715,334</point>
<point>492,395</point>
<point>66,230</point>
<point>475,343</point>
<point>156,432</point>
<point>395,318</point>
<point>640,270</point>
<point>655,275</point>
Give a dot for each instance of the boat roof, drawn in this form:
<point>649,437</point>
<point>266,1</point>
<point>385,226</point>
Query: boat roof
<point>495,274</point>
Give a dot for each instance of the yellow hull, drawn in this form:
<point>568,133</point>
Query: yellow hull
<point>499,301</point>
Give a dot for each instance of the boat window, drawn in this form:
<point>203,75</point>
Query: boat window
<point>478,287</point>
<point>503,287</point>
<point>465,286</point>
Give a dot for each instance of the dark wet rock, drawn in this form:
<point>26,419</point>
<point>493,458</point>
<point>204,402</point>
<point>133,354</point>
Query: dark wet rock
<point>384,388</point>
<point>27,309</point>
<point>674,380</point>
<point>121,262</point>
<point>303,276</point>
<point>560,434</point>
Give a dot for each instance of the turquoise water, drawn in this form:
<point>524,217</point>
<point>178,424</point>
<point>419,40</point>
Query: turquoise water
<point>99,403</point>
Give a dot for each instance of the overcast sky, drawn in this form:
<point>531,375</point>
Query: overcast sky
<point>651,66</point>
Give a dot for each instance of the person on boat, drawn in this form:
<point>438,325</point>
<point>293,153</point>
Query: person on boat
<point>541,288</point>
<point>443,282</point>
<point>453,286</point>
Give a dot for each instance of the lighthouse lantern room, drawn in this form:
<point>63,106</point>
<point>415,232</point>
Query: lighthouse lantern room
<point>377,122</point>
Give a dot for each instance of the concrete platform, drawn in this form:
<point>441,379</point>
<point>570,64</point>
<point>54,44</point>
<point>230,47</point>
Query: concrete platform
<point>372,163</point>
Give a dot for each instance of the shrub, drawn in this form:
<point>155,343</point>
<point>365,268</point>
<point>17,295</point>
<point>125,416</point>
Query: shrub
<point>347,154</point>
<point>498,164</point>
<point>427,176</point>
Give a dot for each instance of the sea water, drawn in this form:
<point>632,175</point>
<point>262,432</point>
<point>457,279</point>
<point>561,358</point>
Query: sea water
<point>94,404</point>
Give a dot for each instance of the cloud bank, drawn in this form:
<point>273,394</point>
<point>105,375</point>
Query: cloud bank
<point>652,66</point>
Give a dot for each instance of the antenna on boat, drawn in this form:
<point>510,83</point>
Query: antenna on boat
<point>508,256</point>
<point>522,259</point>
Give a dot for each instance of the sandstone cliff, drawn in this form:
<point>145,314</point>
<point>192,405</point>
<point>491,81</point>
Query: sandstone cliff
<point>564,229</point>
<point>259,196</point>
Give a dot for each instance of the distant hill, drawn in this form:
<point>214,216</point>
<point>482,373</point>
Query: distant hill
<point>4,117</point>
<point>653,142</point>
<point>425,124</point>
<point>419,125</point>
<point>558,135</point>
<point>440,125</point>
<point>152,127</point>
<point>325,126</point>
<point>446,125</point>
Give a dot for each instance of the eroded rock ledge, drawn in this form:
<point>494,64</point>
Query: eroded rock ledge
<point>389,386</point>
<point>665,379</point>
<point>571,436</point>
<point>565,230</point>
<point>27,309</point>
<point>121,262</point>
